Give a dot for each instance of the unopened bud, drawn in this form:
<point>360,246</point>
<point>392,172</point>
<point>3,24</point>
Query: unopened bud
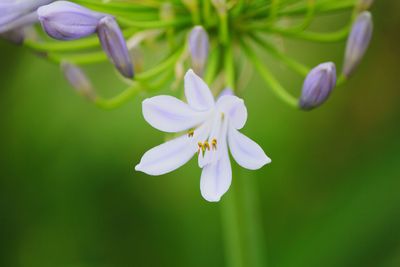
<point>357,42</point>
<point>318,86</point>
<point>114,45</point>
<point>198,46</point>
<point>64,20</point>
<point>78,80</point>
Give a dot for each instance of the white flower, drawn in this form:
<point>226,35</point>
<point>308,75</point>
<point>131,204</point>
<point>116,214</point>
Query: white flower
<point>212,128</point>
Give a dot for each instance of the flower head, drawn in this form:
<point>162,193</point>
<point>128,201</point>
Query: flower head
<point>212,127</point>
<point>318,86</point>
<point>358,42</point>
<point>64,20</point>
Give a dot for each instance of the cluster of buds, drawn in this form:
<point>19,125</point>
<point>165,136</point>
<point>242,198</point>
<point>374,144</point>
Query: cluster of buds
<point>63,20</point>
<point>322,79</point>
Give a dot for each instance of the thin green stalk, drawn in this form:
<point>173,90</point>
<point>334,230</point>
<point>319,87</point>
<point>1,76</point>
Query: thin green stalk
<point>206,4</point>
<point>70,46</point>
<point>212,65</point>
<point>78,59</point>
<point>256,249</point>
<point>118,100</point>
<point>269,78</point>
<point>231,231</point>
<point>289,61</point>
<point>161,67</point>
<point>229,67</point>
<point>158,24</point>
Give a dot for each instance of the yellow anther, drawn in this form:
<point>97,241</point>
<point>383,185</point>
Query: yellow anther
<point>190,133</point>
<point>206,145</point>
<point>201,147</point>
<point>214,143</point>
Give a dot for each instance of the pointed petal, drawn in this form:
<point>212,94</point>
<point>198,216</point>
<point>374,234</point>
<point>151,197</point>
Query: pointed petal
<point>216,179</point>
<point>169,114</point>
<point>233,107</point>
<point>245,151</point>
<point>197,93</point>
<point>167,157</point>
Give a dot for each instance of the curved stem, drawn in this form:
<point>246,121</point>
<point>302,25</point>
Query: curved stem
<point>69,46</point>
<point>118,100</point>
<point>290,62</point>
<point>269,78</point>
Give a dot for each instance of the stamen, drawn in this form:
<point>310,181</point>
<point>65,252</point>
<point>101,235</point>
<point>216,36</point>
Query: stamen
<point>207,145</point>
<point>190,133</point>
<point>214,143</point>
<point>201,147</point>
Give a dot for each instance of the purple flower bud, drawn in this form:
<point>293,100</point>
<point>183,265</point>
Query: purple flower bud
<point>318,86</point>
<point>357,42</point>
<point>64,20</point>
<point>114,45</point>
<point>14,14</point>
<point>198,46</point>
<point>78,79</point>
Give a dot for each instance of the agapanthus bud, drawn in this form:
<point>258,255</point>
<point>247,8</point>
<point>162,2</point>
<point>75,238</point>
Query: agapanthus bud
<point>318,86</point>
<point>15,13</point>
<point>198,46</point>
<point>114,45</point>
<point>78,80</point>
<point>357,42</point>
<point>364,4</point>
<point>64,20</point>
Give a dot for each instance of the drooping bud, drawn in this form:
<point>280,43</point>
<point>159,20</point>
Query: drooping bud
<point>198,46</point>
<point>318,86</point>
<point>78,80</point>
<point>364,4</point>
<point>114,45</point>
<point>15,14</point>
<point>357,42</point>
<point>64,20</point>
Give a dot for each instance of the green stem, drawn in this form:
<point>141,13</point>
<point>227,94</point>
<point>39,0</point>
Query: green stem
<point>289,61</point>
<point>159,24</point>
<point>231,231</point>
<point>69,46</point>
<point>118,100</point>
<point>229,67</point>
<point>254,235</point>
<point>212,65</point>
<point>269,78</point>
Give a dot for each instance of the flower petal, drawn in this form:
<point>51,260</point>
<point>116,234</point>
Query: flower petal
<point>216,179</point>
<point>169,114</point>
<point>197,93</point>
<point>245,151</point>
<point>233,107</point>
<point>167,157</point>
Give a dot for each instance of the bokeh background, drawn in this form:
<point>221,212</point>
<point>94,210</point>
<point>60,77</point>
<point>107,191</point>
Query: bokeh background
<point>69,195</point>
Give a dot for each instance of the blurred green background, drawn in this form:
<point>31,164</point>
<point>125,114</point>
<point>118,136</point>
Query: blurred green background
<point>69,195</point>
